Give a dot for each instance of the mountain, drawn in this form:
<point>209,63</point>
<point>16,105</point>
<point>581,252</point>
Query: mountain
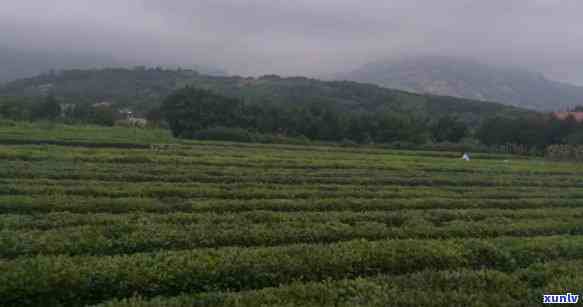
<point>16,63</point>
<point>143,89</point>
<point>467,78</point>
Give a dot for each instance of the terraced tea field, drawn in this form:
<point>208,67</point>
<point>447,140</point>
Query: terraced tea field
<point>219,224</point>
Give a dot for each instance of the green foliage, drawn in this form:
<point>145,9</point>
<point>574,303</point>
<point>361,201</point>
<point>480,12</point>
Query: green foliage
<point>426,288</point>
<point>155,117</point>
<point>535,132</point>
<point>530,131</point>
<point>224,134</point>
<point>146,88</point>
<point>449,129</point>
<point>204,223</point>
<point>83,280</point>
<point>17,108</point>
<point>190,110</point>
<point>575,138</point>
<point>108,234</point>
<point>101,115</point>
<point>33,109</point>
<point>191,113</point>
<point>37,133</point>
<point>49,109</point>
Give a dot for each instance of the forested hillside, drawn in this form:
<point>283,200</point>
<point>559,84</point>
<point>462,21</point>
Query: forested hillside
<point>145,88</point>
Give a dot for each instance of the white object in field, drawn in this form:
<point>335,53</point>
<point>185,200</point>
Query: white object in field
<point>466,157</point>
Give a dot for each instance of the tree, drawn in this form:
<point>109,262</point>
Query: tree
<point>389,127</point>
<point>495,131</point>
<point>190,110</point>
<point>17,108</point>
<point>102,115</point>
<point>154,116</point>
<point>449,129</point>
<point>49,109</point>
<point>575,138</point>
<point>529,131</point>
<point>333,126</point>
<point>559,129</point>
<point>81,113</point>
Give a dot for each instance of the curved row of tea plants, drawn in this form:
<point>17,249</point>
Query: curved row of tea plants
<point>218,224</point>
<point>133,237</point>
<point>426,288</point>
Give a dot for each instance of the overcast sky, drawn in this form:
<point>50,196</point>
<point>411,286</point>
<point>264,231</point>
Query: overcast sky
<point>301,37</point>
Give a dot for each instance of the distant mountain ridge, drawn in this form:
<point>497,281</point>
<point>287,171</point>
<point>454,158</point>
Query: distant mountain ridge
<point>468,78</point>
<point>145,88</point>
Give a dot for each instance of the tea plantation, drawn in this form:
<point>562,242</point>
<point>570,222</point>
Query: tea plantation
<point>226,224</point>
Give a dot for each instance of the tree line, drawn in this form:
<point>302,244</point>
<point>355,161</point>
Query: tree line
<point>536,132</point>
<point>190,111</point>
<point>49,108</point>
<point>52,109</point>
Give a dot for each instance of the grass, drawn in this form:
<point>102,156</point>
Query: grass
<point>49,131</point>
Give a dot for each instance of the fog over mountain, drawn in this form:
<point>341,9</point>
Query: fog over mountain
<point>469,78</point>
<point>17,64</point>
<point>26,63</point>
<point>302,37</point>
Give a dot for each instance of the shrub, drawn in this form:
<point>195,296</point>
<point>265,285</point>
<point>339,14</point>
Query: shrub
<point>348,143</point>
<point>281,139</point>
<point>8,123</point>
<point>224,134</point>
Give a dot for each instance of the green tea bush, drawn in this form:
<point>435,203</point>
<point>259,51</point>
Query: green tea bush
<point>97,215</point>
<point>84,280</point>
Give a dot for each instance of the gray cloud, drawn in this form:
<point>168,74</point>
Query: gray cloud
<point>306,37</point>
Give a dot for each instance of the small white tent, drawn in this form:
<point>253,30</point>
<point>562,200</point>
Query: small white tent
<point>466,157</point>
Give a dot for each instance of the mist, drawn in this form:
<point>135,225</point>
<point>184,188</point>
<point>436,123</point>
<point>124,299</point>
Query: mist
<point>301,37</point>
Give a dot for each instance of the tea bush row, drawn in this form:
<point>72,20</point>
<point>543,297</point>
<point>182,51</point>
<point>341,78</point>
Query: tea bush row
<point>428,288</point>
<point>128,238</point>
<point>36,204</point>
<point>51,281</point>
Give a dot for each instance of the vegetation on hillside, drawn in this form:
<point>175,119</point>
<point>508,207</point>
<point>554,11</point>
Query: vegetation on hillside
<point>533,132</point>
<point>191,111</point>
<point>257,109</point>
<point>143,89</point>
